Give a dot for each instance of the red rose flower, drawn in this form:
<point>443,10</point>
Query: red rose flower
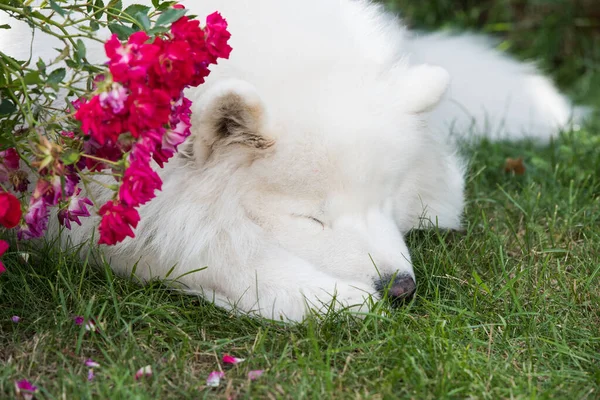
<point>117,222</point>
<point>10,210</point>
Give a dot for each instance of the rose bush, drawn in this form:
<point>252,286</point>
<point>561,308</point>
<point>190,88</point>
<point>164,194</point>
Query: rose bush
<point>123,118</point>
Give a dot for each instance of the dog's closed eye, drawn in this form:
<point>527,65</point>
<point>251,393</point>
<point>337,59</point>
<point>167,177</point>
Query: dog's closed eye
<point>313,219</point>
<point>316,220</point>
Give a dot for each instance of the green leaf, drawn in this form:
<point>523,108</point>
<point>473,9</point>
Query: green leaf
<point>122,31</point>
<point>32,78</point>
<point>114,6</point>
<point>99,9</point>
<point>57,8</point>
<point>94,25</point>
<point>40,16</point>
<point>72,64</point>
<point>56,76</point>
<point>143,20</point>
<point>41,66</point>
<point>80,50</point>
<point>170,16</point>
<point>133,9</point>
<point>70,157</point>
<point>480,283</point>
<point>7,107</point>
<point>5,26</point>
<point>165,5</point>
<point>64,53</point>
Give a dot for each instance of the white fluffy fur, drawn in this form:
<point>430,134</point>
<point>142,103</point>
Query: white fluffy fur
<point>338,121</point>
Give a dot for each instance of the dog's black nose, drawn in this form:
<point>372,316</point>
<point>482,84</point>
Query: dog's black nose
<point>398,288</point>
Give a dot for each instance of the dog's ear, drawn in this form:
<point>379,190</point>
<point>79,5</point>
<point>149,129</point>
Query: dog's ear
<point>422,87</point>
<point>230,113</point>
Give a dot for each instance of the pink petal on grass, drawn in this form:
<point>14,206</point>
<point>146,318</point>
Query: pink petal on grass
<point>91,363</point>
<point>254,375</point>
<point>143,372</point>
<point>91,375</point>
<point>214,378</point>
<point>25,389</point>
<point>90,325</point>
<point>227,359</point>
<point>15,319</point>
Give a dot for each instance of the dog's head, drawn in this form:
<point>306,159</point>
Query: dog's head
<point>323,165</point>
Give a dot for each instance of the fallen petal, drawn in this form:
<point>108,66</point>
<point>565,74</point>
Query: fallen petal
<point>254,375</point>
<point>25,389</point>
<point>214,378</point>
<point>227,359</point>
<point>144,372</point>
<point>23,256</point>
<point>15,319</point>
<point>91,326</point>
<point>91,375</point>
<point>91,363</point>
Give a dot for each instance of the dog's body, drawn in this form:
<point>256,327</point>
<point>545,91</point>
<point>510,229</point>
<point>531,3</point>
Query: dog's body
<point>316,147</point>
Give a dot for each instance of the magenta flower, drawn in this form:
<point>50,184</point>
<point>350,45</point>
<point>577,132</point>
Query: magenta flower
<point>36,219</point>
<point>10,210</point>
<point>15,319</point>
<point>71,181</point>
<point>214,378</point>
<point>10,158</point>
<point>114,98</point>
<point>174,68</point>
<point>145,147</point>
<point>217,37</point>
<point>76,208</point>
<point>25,389</point>
<point>148,109</point>
<point>130,62</point>
<point>78,319</point>
<point>137,111</point>
<point>107,151</point>
<point>9,163</point>
<point>117,222</point>
<point>50,192</point>
<point>176,135</point>
<point>99,122</point>
<point>139,184</point>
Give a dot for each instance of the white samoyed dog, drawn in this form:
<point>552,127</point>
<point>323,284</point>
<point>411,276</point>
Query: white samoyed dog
<point>316,147</point>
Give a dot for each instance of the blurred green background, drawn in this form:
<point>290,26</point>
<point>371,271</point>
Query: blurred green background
<point>562,36</point>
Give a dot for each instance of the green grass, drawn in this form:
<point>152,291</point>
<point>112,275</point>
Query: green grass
<point>509,308</point>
